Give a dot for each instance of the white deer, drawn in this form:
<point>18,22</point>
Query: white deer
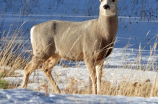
<point>91,41</point>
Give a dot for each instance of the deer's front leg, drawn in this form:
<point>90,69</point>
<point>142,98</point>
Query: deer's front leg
<point>99,71</point>
<point>91,67</point>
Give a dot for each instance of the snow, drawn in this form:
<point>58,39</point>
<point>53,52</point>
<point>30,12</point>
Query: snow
<point>78,71</point>
<point>19,96</point>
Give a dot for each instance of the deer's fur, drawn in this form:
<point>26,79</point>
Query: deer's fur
<point>91,41</point>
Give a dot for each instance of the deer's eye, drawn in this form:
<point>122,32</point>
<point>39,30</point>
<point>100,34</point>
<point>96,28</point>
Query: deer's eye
<point>113,0</point>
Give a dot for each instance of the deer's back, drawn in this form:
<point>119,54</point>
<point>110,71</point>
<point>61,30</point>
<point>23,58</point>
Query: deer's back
<point>62,37</point>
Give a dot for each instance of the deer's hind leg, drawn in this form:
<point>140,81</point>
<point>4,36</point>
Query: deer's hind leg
<point>30,67</point>
<point>47,68</point>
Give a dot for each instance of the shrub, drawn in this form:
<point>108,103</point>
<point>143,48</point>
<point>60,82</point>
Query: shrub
<point>3,83</point>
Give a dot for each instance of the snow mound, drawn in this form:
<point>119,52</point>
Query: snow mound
<point>23,96</point>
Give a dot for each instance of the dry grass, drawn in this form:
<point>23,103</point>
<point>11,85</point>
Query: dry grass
<point>11,55</point>
<point>125,88</point>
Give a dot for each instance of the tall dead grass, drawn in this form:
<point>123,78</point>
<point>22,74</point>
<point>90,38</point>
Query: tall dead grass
<point>12,54</point>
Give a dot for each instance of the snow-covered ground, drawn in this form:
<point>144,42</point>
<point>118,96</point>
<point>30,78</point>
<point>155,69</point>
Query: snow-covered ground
<point>122,64</point>
<point>64,75</point>
<point>22,96</point>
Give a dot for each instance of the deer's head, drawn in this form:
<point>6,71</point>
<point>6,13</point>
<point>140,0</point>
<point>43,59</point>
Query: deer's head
<point>108,7</point>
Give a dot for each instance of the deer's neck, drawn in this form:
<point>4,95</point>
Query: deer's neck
<point>107,26</point>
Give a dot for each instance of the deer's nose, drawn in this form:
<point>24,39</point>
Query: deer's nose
<point>106,7</point>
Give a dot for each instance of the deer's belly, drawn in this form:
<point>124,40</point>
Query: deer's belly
<point>73,56</point>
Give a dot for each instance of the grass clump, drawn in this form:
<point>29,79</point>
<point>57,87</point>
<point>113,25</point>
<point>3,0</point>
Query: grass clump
<point>3,83</point>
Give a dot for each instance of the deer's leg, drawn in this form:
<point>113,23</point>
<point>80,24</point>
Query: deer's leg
<point>91,67</point>
<point>30,67</point>
<point>99,68</point>
<point>47,68</point>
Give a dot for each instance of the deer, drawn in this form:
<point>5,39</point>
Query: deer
<point>90,41</point>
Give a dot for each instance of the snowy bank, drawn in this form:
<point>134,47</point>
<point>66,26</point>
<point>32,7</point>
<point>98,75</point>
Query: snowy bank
<point>23,96</point>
